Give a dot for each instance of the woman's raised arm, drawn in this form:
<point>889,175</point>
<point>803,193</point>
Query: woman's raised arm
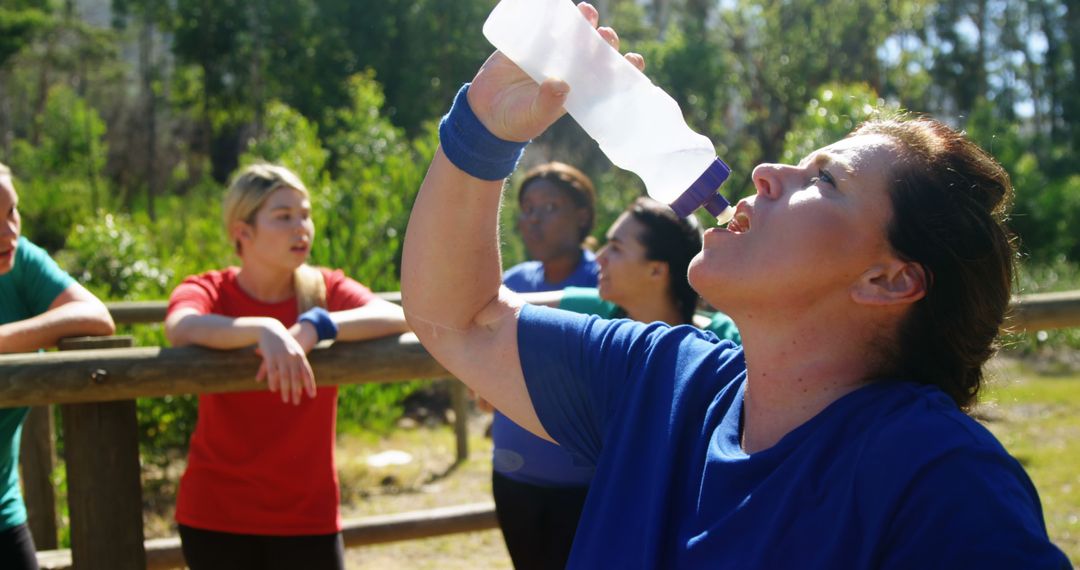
<point>451,270</point>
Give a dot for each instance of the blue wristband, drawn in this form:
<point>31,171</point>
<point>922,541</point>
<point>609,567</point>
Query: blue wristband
<point>471,147</point>
<point>325,327</point>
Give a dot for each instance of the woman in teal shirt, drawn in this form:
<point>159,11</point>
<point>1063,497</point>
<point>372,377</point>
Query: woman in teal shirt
<point>39,305</point>
<point>643,273</point>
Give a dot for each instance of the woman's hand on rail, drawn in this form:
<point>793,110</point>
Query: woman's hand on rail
<point>306,335</point>
<point>285,366</point>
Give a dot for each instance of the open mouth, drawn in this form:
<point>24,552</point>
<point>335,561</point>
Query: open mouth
<point>739,224</point>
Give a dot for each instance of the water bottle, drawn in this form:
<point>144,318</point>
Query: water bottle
<point>638,126</point>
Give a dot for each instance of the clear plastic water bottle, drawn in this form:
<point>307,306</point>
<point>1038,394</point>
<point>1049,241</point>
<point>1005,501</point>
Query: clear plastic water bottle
<point>638,126</point>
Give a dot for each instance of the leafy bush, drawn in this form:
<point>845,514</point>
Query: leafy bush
<point>830,115</point>
<point>112,256</point>
<point>59,176</point>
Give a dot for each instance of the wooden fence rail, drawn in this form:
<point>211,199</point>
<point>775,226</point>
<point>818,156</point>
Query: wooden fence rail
<point>1029,312</point>
<point>1045,311</point>
<point>165,553</point>
<point>125,373</point>
<point>119,375</point>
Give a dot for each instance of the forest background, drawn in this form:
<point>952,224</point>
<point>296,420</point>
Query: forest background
<point>123,121</point>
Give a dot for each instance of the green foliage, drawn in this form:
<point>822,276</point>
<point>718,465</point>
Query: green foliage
<point>59,178</point>
<point>291,141</point>
<point>378,173</point>
<point>830,115</point>
<point>1046,209</point>
<point>113,256</point>
<point>372,407</point>
<point>17,29</point>
<point>165,426</point>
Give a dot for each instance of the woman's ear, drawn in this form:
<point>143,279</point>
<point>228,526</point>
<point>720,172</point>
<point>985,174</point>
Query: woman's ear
<point>582,217</point>
<point>895,282</point>
<point>239,232</point>
<point>659,270</point>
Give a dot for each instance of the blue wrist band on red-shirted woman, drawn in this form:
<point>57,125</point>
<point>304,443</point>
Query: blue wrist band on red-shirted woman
<point>319,318</point>
<point>471,146</point>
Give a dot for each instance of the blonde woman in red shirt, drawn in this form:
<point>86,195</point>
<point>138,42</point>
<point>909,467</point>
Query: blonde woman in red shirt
<point>260,490</point>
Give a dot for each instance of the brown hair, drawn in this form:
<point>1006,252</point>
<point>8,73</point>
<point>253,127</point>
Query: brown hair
<point>574,183</point>
<point>672,240</point>
<point>247,194</point>
<point>950,200</point>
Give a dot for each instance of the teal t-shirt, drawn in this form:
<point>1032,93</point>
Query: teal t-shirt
<point>586,300</point>
<point>33,283</point>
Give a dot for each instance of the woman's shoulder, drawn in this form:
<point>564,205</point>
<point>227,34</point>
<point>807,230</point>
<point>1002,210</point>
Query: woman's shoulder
<point>29,250</point>
<point>925,412</point>
<point>342,291</point>
<point>524,272</point>
<point>915,427</point>
<point>214,278</point>
<point>943,487</point>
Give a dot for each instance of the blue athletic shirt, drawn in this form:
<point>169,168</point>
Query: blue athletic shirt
<point>33,283</point>
<point>892,475</point>
<point>518,454</point>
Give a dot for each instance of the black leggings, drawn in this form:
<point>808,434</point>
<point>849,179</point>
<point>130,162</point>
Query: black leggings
<point>211,550</point>
<point>17,549</point>
<point>538,523</point>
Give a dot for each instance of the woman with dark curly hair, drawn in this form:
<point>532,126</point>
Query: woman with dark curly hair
<point>868,283</point>
<point>539,491</point>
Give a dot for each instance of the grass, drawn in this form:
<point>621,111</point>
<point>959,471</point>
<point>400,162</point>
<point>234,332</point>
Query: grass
<point>1037,418</point>
<point>430,480</point>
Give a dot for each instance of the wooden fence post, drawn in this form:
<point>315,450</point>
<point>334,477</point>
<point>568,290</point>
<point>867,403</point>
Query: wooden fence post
<point>101,448</point>
<point>459,400</point>
<point>37,459</point>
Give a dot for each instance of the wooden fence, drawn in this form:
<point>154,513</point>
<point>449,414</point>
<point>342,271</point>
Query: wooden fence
<point>96,387</point>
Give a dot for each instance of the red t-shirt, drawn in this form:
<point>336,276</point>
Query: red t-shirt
<point>256,465</point>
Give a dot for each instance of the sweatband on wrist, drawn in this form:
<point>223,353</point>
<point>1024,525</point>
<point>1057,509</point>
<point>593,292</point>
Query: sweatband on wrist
<point>471,147</point>
<point>325,327</point>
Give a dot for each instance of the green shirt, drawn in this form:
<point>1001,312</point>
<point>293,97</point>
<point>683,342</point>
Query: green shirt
<point>586,300</point>
<point>27,290</point>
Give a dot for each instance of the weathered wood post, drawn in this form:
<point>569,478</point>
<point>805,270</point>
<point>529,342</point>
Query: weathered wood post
<point>101,447</point>
<point>37,459</point>
<point>459,401</point>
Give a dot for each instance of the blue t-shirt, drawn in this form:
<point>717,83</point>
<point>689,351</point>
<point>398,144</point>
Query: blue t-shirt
<point>33,283</point>
<point>892,475</point>
<point>518,454</point>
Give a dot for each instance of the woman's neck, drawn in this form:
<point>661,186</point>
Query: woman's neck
<point>796,368</point>
<point>654,308</point>
<point>265,284</point>
<point>561,267</point>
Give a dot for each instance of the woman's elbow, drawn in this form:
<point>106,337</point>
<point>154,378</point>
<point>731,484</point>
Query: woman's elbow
<point>105,325</point>
<point>98,321</point>
<point>174,333</point>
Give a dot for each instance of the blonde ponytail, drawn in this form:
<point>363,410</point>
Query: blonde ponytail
<point>310,288</point>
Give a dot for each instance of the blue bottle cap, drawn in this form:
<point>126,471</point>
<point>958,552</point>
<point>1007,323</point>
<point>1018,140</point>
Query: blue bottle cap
<point>703,192</point>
